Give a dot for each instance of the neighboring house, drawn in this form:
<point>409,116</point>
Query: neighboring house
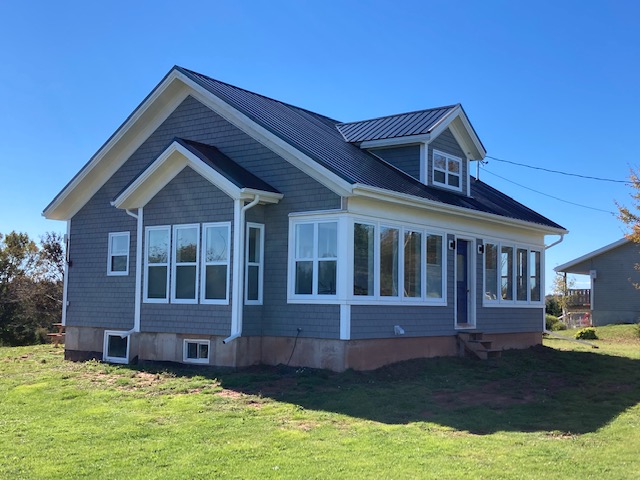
<point>612,270</point>
<point>222,227</point>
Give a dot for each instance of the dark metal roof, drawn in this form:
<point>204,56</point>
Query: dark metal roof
<point>318,137</point>
<point>225,166</point>
<point>394,126</point>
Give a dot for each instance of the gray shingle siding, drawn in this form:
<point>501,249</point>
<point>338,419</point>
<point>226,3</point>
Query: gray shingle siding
<point>406,158</point>
<point>615,298</point>
<point>108,302</point>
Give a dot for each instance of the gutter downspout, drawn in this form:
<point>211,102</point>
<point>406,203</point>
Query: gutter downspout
<point>238,270</point>
<point>138,289</point>
<point>546,247</point>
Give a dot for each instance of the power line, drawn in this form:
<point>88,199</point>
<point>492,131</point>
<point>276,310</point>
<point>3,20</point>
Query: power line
<point>550,196</point>
<point>557,171</point>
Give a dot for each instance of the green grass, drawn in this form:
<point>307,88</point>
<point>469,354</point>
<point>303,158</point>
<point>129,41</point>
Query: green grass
<point>560,411</point>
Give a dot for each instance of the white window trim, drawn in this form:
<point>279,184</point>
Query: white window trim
<point>446,172</point>
<point>259,264</point>
<point>146,264</point>
<point>204,264</point>
<point>376,298</point>
<point>200,361</point>
<point>293,297</point>
<point>110,254</point>
<point>499,302</point>
<point>174,263</point>
<point>105,346</point>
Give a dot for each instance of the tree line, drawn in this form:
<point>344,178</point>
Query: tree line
<point>31,283</point>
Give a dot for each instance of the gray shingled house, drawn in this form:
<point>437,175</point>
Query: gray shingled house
<point>222,227</point>
<point>615,297</point>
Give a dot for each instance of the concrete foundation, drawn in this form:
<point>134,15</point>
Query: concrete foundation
<point>338,355</point>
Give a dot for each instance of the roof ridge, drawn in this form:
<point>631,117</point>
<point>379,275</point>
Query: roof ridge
<point>290,105</point>
<point>398,114</point>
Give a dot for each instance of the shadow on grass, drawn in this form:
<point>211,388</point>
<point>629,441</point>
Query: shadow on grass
<point>539,389</point>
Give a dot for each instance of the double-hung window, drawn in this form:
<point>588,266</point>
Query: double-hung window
<point>254,272</point>
<point>118,255</point>
<point>186,243</point>
<point>512,274</point>
<point>215,263</point>
<point>315,263</point>
<point>447,170</point>
<point>158,241</point>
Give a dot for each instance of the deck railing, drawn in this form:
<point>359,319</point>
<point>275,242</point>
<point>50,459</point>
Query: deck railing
<point>579,297</point>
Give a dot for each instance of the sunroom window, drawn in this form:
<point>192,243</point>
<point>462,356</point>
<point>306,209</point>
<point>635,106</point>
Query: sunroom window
<point>315,258</point>
<point>447,170</point>
<point>514,271</point>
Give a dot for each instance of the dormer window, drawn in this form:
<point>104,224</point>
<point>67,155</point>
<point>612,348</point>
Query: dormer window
<point>447,170</point>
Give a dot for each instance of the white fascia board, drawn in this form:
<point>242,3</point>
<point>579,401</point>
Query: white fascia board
<point>588,256</point>
<point>394,142</point>
<point>410,200</point>
<point>145,119</point>
<point>463,133</point>
<point>265,197</point>
<point>274,143</point>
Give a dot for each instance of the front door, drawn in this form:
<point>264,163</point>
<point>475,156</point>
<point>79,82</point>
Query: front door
<point>463,284</point>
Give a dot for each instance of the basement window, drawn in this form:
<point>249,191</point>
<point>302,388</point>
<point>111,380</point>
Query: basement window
<point>116,347</point>
<point>196,351</point>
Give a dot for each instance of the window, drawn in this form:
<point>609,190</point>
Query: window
<point>389,255</point>
<point>517,272</point>
<point>157,265</point>
<point>534,275</point>
<point>315,258</point>
<point>405,265</point>
<point>363,259</point>
<point>253,277</point>
<point>491,271</point>
<point>116,347</point>
<point>435,267</point>
<point>196,351</point>
<point>215,263</point>
<point>186,242</point>
<point>412,264</point>
<point>118,256</point>
<point>447,170</point>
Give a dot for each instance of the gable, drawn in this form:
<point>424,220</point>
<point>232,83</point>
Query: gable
<point>621,255</point>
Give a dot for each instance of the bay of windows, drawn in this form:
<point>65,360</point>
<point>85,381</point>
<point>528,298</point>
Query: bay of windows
<point>389,257</point>
<point>512,274</point>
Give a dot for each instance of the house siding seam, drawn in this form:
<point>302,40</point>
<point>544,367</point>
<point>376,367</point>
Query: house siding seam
<point>446,143</point>
<point>108,302</point>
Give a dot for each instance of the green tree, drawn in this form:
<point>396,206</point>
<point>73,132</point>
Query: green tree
<point>31,280</point>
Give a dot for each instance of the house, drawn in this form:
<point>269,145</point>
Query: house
<point>615,297</point>
<point>222,227</point>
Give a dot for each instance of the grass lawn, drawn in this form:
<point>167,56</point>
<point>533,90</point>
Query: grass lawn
<point>561,411</point>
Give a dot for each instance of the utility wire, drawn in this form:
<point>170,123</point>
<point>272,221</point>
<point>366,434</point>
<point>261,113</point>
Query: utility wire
<point>551,196</point>
<point>557,171</point>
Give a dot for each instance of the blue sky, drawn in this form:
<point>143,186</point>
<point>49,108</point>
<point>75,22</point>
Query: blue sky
<point>552,84</point>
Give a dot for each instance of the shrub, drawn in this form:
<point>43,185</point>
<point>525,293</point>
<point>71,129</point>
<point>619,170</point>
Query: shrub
<point>588,333</point>
<point>552,323</point>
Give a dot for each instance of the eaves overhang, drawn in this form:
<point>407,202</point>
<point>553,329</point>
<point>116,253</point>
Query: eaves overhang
<point>414,201</point>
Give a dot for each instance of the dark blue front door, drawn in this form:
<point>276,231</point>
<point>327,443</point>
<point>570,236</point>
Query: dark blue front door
<point>462,281</point>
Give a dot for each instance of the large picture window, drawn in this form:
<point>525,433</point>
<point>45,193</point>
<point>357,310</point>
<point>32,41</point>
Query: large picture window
<point>315,258</point>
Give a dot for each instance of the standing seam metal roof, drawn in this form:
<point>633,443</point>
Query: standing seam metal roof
<point>320,138</point>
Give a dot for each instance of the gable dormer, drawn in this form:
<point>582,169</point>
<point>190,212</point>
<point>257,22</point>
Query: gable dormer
<point>434,146</point>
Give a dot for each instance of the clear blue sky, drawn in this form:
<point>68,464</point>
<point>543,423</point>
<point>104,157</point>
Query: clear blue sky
<point>552,84</point>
